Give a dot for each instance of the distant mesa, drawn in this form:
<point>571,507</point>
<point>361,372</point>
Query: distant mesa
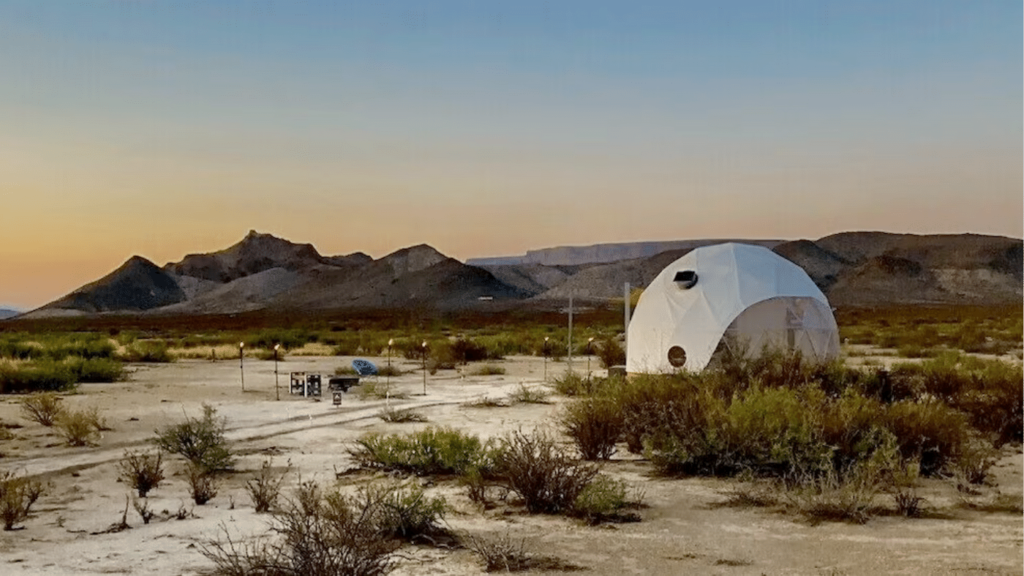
<point>6,313</point>
<point>264,272</point>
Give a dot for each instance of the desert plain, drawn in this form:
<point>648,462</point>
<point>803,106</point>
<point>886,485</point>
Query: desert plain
<point>686,526</point>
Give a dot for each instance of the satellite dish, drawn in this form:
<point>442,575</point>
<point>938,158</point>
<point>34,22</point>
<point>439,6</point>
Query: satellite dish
<point>364,367</point>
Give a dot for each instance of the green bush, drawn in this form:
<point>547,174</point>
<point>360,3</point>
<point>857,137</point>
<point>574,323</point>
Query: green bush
<point>200,440</point>
<point>602,499</point>
<point>429,451</point>
<point>147,351</point>
<point>488,370</point>
<point>610,352</point>
<point>89,370</point>
<point>36,376</point>
<point>594,425</point>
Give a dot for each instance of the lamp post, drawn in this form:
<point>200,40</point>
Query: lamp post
<point>424,367</point>
<point>387,379</point>
<point>545,359</point>
<point>590,343</point>
<point>277,386</point>
<point>241,362</point>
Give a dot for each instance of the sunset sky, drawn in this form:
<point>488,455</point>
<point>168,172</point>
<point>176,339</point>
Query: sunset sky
<point>162,128</point>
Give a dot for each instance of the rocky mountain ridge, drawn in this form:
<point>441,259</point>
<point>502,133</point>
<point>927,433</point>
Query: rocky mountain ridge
<point>263,272</point>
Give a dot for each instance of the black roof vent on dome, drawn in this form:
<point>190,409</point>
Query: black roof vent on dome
<point>685,278</point>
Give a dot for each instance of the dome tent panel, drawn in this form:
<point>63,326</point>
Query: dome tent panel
<point>732,279</point>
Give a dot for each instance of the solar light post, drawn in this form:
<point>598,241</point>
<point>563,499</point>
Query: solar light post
<point>424,367</point>
<point>545,359</point>
<point>241,362</point>
<point>277,386</point>
<point>387,379</point>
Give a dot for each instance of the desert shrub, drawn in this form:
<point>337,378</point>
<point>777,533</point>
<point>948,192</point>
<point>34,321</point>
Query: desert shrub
<point>572,384</point>
<point>378,391</point>
<point>404,511</point>
<point>287,338</point>
<point>42,407</point>
<point>602,499</point>
<point>929,430</point>
<point>318,535</point>
<point>594,425</point>
<point>610,352</point>
<point>200,440</point>
<point>903,487</point>
<point>265,486</point>
<point>389,371</point>
<point>429,451</point>
<point>834,496</point>
<point>202,483</point>
<point>526,395</point>
<point>400,416</point>
<point>141,506</point>
<point>544,476</point>
<point>463,350</point>
<point>142,471</point>
<point>488,370</point>
<point>502,553</point>
<point>17,495</point>
<point>147,351</point>
<point>345,371</point>
<point>37,375</point>
<point>80,427</point>
<point>476,486</point>
<point>95,369</point>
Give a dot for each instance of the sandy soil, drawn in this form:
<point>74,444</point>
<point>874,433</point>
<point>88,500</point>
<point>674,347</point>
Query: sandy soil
<point>685,529</point>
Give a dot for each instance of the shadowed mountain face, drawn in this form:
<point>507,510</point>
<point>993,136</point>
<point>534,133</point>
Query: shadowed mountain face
<point>138,285</point>
<point>263,272</point>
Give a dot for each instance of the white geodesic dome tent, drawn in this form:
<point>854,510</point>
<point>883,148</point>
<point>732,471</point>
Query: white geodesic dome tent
<point>746,294</point>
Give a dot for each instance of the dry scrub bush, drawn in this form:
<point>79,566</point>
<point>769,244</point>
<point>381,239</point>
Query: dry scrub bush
<point>488,370</point>
<point>142,471</point>
<point>399,416</point>
<point>141,506</point>
<point>265,487</point>
<point>200,440</point>
<point>526,395</point>
<point>379,391</point>
<point>544,476</point>
<point>502,553</point>
<point>42,407</point>
<point>202,483</point>
<point>81,427</point>
<point>594,425</point>
<point>17,495</point>
<point>324,534</point>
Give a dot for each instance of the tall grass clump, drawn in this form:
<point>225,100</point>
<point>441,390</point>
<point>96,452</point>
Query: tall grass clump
<point>201,441</point>
<point>429,451</point>
<point>610,352</point>
<point>81,427</point>
<point>37,376</point>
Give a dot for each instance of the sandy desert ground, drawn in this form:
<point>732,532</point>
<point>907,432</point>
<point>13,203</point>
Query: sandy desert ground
<point>685,529</point>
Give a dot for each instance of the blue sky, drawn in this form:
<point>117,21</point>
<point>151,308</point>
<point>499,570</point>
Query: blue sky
<point>482,128</point>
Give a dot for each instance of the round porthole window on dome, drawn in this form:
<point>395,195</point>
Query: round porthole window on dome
<point>677,357</point>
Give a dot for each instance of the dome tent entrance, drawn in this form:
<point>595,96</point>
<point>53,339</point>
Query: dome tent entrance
<point>736,293</point>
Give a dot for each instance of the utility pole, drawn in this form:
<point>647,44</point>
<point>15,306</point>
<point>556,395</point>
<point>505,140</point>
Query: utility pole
<point>625,310</point>
<point>569,346</point>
